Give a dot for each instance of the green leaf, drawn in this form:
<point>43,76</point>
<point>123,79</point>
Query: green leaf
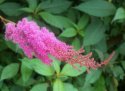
<point>32,4</point>
<point>94,33</point>
<point>76,43</point>
<point>99,8</point>
<point>100,84</point>
<point>55,6</point>
<point>123,64</point>
<point>68,70</point>
<point>42,68</point>
<point>70,87</point>
<point>39,87</point>
<point>16,88</point>
<point>92,77</point>
<point>27,62</point>
<point>83,21</point>
<point>39,67</point>
<point>5,88</point>
<point>56,64</point>
<point>25,72</point>
<point>10,8</point>
<point>118,72</point>
<point>10,71</point>
<point>87,88</point>
<point>121,49</point>
<point>2,41</point>
<point>1,67</point>
<point>57,21</point>
<point>20,82</point>
<point>100,54</point>
<point>27,10</point>
<point>120,14</point>
<point>81,33</point>
<point>102,45</point>
<point>1,1</point>
<point>14,47</point>
<point>69,32</point>
<point>58,85</point>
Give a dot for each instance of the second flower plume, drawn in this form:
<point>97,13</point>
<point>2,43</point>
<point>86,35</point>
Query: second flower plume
<point>39,42</point>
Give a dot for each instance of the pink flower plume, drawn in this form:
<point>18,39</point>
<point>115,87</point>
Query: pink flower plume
<point>39,42</point>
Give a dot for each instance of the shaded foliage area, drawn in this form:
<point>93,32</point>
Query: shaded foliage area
<point>96,25</point>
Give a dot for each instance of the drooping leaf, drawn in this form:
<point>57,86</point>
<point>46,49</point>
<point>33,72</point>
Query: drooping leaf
<point>9,71</point>
<point>68,70</point>
<point>99,8</point>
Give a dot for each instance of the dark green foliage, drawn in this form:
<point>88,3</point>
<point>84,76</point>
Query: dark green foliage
<point>96,25</point>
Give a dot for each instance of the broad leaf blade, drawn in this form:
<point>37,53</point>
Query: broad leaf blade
<point>70,87</point>
<point>68,70</point>
<point>99,8</point>
<point>120,14</point>
<point>57,21</point>
<point>58,85</point>
<point>39,87</point>
<point>10,8</point>
<point>25,72</point>
<point>92,77</point>
<point>55,6</point>
<point>76,43</point>
<point>32,4</point>
<point>9,71</point>
<point>94,33</point>
<point>69,32</point>
<point>42,68</point>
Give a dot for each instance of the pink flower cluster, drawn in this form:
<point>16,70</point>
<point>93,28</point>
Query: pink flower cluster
<point>39,42</point>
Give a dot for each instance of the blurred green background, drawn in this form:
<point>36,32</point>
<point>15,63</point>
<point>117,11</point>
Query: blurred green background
<point>95,25</point>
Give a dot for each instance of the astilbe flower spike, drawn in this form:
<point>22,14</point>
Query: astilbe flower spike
<point>39,42</point>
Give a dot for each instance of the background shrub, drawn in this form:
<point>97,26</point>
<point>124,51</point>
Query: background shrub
<point>96,25</point>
